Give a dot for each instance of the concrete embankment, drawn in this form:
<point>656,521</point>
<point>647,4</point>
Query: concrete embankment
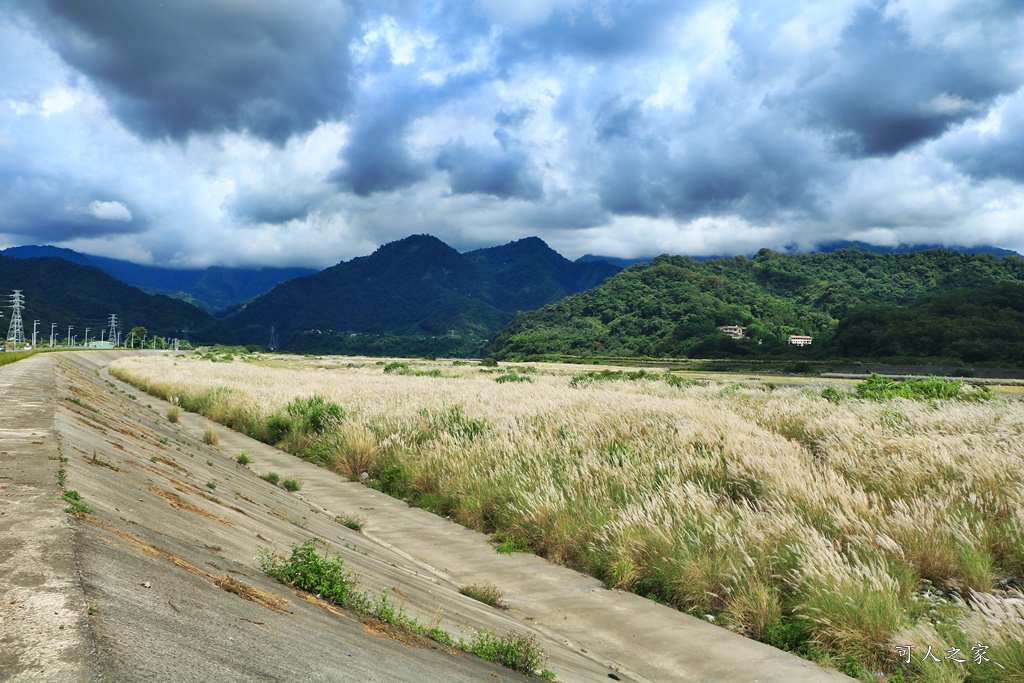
<point>160,580</point>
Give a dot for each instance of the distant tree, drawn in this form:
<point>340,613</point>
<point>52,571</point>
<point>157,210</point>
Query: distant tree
<point>135,336</point>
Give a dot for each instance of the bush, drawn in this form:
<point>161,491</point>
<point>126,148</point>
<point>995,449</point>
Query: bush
<point>314,414</point>
<point>291,485</point>
<point>393,479</point>
<point>879,388</point>
<point>308,571</point>
<point>277,428</point>
<point>272,477</point>
<point>512,377</point>
<point>243,458</point>
<point>173,414</point>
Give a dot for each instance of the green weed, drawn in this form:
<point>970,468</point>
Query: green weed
<point>74,501</point>
<point>352,521</point>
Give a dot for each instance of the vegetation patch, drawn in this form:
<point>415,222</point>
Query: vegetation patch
<point>74,501</point>
<point>487,593</point>
<point>332,582</point>
<point>512,377</point>
<point>879,388</point>
<point>351,520</point>
<point>210,437</point>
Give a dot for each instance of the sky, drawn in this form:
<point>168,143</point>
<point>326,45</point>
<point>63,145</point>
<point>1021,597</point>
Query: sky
<point>189,133</point>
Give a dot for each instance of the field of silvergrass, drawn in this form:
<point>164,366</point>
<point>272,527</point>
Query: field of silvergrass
<point>837,527</point>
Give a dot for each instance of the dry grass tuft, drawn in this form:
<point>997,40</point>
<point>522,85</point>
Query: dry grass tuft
<point>272,602</point>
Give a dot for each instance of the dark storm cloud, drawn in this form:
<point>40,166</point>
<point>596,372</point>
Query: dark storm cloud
<point>638,124</point>
<point>749,171</point>
<point>42,209</point>
<point>615,118</point>
<point>270,208</point>
<point>506,173</point>
<point>995,154</point>
<point>377,157</point>
<point>269,67</point>
<point>883,93</point>
<point>377,160</point>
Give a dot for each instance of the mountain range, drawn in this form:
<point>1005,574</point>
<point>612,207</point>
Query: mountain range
<point>419,296</point>
<point>59,294</point>
<point>214,288</point>
<point>416,295</point>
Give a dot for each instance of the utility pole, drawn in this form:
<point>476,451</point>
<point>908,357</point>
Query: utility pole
<point>16,333</point>
<point>70,327</point>
<point>273,338</point>
<point>53,326</point>
<point>35,328</point>
<point>87,336</point>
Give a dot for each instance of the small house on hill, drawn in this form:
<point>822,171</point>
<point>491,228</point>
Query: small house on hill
<point>734,331</point>
<point>800,339</point>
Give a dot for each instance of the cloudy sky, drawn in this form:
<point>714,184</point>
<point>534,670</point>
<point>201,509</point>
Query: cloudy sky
<point>239,132</point>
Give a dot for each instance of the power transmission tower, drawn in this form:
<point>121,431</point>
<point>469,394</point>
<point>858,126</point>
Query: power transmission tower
<point>112,335</point>
<point>15,332</point>
<point>35,331</point>
<point>273,339</point>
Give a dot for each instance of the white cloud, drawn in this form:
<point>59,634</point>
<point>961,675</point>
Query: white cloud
<point>109,211</point>
<point>698,109</point>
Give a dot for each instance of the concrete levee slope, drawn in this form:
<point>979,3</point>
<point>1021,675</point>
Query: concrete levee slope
<point>160,580</point>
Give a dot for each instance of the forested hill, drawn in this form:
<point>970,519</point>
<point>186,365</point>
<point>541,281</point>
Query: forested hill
<point>674,305</point>
<point>214,288</point>
<point>414,296</point>
<point>65,293</point>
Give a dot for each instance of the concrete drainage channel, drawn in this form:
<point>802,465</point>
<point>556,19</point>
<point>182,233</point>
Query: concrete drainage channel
<point>147,584</point>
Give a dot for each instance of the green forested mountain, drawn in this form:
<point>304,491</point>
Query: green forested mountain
<point>214,288</point>
<point>674,305</point>
<point>413,296</point>
<point>65,293</point>
<point>971,325</point>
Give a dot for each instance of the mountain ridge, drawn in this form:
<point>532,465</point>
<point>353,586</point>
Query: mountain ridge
<point>675,305</point>
<point>414,289</point>
<point>59,291</point>
<point>213,288</point>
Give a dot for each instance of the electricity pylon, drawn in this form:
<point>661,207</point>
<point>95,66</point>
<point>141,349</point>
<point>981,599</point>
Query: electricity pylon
<point>16,332</point>
<point>112,335</point>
